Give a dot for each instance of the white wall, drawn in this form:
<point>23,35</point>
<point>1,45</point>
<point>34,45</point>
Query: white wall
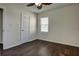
<point>63,25</point>
<point>11,24</point>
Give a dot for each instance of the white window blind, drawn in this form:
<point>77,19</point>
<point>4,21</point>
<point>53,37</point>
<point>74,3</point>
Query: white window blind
<point>44,24</point>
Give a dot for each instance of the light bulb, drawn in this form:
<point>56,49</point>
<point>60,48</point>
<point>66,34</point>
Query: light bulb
<point>37,4</point>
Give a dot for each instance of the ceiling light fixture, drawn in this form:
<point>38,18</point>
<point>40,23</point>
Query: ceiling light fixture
<point>37,4</point>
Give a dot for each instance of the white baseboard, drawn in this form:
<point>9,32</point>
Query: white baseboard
<point>75,45</point>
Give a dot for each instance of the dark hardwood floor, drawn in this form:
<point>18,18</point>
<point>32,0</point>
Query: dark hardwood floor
<point>42,48</point>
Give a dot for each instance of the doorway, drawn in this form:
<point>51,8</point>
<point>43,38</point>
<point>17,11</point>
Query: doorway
<point>1,30</point>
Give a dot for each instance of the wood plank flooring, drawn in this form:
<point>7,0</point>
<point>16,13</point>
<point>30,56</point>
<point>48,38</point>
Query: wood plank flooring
<point>42,48</point>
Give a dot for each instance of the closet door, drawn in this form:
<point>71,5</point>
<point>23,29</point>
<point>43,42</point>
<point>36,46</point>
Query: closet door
<point>25,27</point>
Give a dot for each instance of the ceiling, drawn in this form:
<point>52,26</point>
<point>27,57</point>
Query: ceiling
<point>47,7</point>
<point>44,8</point>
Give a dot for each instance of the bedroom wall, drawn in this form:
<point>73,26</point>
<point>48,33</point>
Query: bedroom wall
<point>11,24</point>
<point>63,25</point>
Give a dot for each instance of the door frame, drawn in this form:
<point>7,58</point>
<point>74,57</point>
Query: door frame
<point>1,9</point>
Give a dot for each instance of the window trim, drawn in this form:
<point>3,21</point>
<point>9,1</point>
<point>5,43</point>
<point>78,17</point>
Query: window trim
<point>47,24</point>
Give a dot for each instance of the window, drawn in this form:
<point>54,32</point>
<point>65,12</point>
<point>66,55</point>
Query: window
<point>44,24</point>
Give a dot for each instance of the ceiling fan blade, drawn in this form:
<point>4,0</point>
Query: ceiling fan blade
<point>46,3</point>
<point>30,4</point>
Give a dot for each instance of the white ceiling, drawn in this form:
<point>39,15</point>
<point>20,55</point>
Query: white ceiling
<point>44,8</point>
<point>47,7</point>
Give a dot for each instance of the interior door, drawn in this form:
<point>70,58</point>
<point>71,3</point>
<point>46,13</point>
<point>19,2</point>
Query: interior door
<point>25,27</point>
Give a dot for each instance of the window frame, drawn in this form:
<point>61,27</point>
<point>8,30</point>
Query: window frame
<point>44,24</point>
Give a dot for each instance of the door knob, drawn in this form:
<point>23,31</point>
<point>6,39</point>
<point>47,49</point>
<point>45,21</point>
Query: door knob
<point>22,30</point>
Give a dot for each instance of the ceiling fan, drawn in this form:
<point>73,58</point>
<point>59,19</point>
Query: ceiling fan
<point>38,5</point>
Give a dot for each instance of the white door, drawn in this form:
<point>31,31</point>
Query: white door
<point>25,27</point>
